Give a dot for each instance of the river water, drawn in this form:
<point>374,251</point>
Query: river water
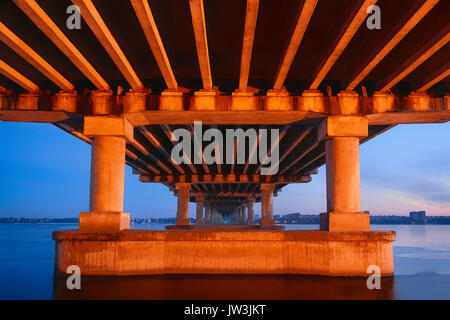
<point>421,265</point>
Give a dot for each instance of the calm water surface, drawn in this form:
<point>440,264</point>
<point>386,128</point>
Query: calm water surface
<point>421,260</point>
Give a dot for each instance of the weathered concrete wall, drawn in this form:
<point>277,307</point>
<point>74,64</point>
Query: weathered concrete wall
<point>136,252</point>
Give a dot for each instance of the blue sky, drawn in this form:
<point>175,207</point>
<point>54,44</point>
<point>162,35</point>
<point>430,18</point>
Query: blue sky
<point>45,173</point>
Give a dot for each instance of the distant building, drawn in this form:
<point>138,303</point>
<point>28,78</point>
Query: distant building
<point>292,216</point>
<point>417,217</point>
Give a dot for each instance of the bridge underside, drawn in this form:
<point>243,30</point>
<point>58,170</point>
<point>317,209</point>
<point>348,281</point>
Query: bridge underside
<point>313,74</point>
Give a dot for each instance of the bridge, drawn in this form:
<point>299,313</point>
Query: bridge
<point>316,72</point>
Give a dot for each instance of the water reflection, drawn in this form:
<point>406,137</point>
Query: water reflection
<point>419,234</point>
<point>215,287</point>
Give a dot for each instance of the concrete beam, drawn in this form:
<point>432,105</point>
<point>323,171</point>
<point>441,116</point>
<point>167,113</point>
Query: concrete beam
<point>407,27</point>
<point>101,31</point>
<point>148,24</point>
<point>435,79</point>
<point>294,43</point>
<point>219,179</point>
<point>343,126</point>
<point>411,64</point>
<point>51,30</point>
<point>201,41</point>
<point>251,15</point>
<point>108,126</point>
<point>32,57</point>
<point>17,77</point>
<point>343,40</point>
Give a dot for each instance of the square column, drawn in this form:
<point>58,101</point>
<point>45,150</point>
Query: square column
<point>214,215</point>
<point>207,213</point>
<point>109,136</point>
<point>244,214</point>
<point>267,204</point>
<point>250,210</point>
<point>183,204</point>
<point>342,135</point>
<point>211,214</point>
<point>199,212</point>
<point>236,216</point>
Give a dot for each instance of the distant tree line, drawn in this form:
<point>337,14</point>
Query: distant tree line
<point>38,220</point>
<point>297,218</point>
<point>292,218</point>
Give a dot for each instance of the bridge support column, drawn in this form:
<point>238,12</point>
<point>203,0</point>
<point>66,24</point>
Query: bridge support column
<point>267,204</point>
<point>207,213</point>
<point>109,135</point>
<point>342,134</point>
<point>244,214</point>
<point>212,214</point>
<point>239,214</point>
<point>199,212</point>
<point>183,204</point>
<point>251,211</point>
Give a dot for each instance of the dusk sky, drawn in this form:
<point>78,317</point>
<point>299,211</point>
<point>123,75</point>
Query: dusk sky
<point>45,173</point>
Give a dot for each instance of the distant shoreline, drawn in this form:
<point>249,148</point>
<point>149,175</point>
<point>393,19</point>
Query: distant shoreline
<point>289,219</point>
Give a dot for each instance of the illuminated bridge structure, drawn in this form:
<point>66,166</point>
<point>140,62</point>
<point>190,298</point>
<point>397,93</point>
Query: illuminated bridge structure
<point>137,70</point>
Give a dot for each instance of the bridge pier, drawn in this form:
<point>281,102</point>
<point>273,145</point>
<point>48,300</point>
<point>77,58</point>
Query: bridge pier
<point>199,212</point>
<point>267,204</point>
<point>250,210</point>
<point>183,204</point>
<point>109,136</point>
<point>342,135</point>
<point>207,213</point>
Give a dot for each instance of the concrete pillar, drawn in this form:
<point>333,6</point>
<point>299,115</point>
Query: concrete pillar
<point>250,211</point>
<point>216,215</point>
<point>211,214</point>
<point>207,213</point>
<point>343,177</point>
<point>238,215</point>
<point>199,213</point>
<point>244,214</point>
<point>109,136</point>
<point>107,174</point>
<point>183,204</point>
<point>342,134</point>
<point>267,204</point>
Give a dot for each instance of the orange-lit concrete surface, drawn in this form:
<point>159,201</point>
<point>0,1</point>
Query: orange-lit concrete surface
<point>320,124</point>
<point>143,252</point>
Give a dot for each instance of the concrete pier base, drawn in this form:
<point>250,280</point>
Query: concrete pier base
<point>104,221</point>
<point>145,252</point>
